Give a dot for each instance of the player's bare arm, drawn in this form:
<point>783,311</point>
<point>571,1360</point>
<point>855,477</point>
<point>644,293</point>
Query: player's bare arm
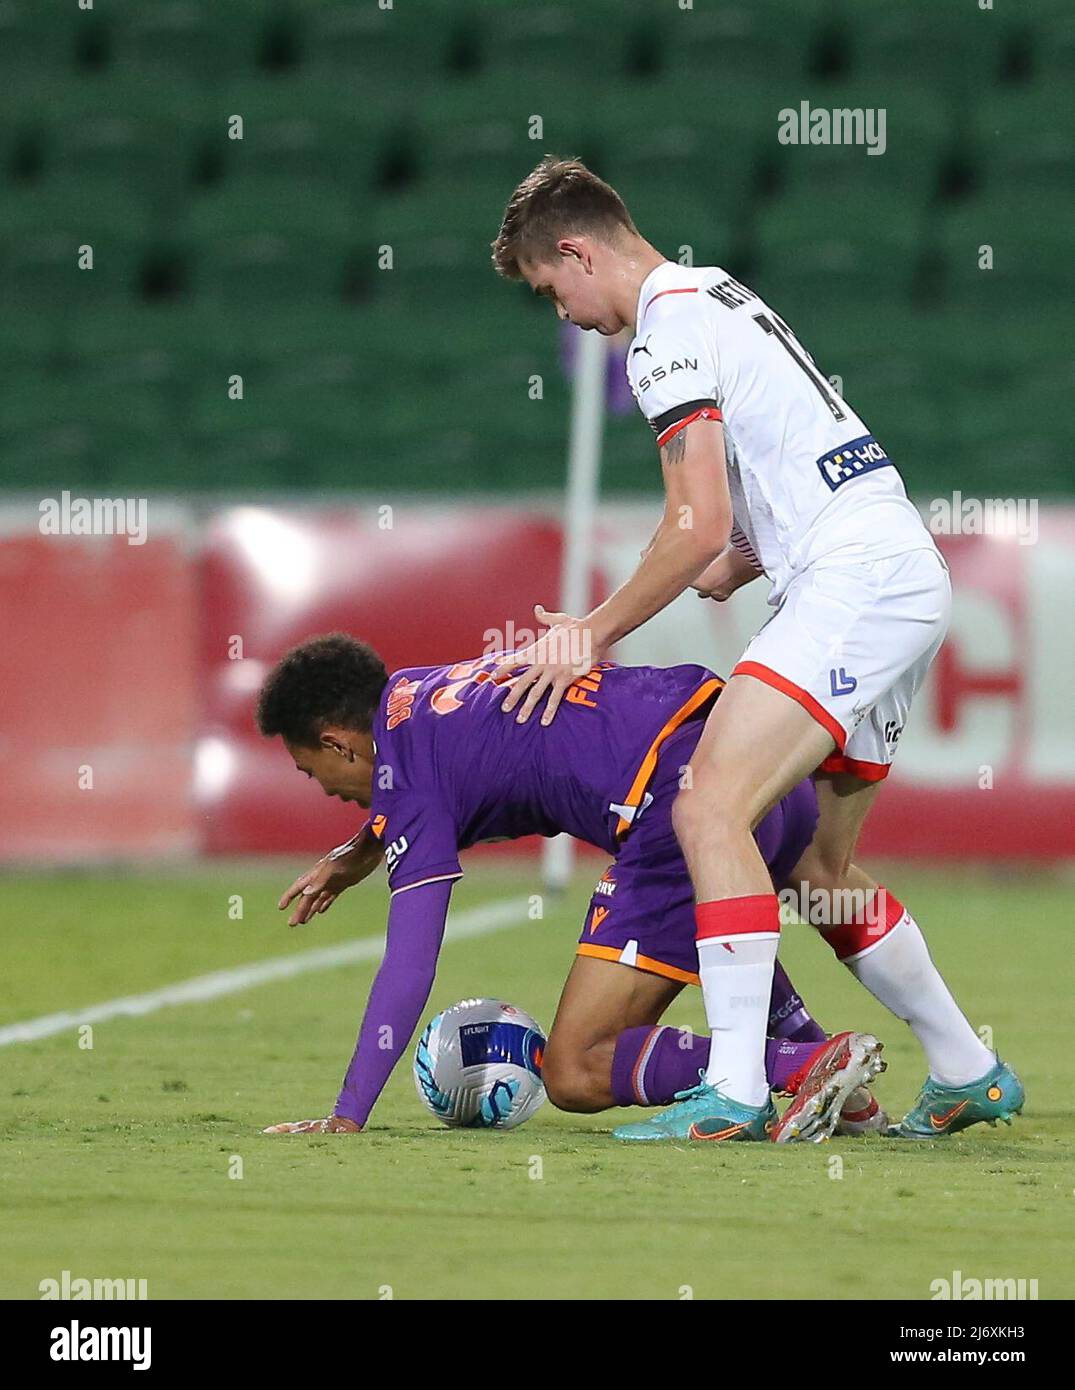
<point>695,529</point>
<point>318,888</point>
<point>729,572</point>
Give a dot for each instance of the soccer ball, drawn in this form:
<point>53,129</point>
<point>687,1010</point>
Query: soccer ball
<point>478,1065</point>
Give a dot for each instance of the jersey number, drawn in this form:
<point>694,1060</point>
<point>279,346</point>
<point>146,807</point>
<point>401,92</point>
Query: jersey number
<point>786,339</point>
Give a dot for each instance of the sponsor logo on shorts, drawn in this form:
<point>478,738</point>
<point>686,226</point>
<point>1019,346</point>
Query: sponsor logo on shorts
<point>598,916</point>
<point>852,460</point>
<point>840,683</point>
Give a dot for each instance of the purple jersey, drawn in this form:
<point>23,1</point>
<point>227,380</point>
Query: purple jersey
<point>453,770</point>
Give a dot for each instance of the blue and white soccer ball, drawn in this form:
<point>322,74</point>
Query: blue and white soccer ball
<point>478,1065</point>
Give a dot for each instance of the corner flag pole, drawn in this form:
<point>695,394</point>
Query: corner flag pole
<point>583,481</point>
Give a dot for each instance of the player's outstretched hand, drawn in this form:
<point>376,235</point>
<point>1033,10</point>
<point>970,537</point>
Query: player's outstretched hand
<point>334,1124</point>
<point>318,888</point>
<point>558,657</point>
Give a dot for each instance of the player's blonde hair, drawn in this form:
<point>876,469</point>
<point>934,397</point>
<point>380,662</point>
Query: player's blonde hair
<point>559,196</point>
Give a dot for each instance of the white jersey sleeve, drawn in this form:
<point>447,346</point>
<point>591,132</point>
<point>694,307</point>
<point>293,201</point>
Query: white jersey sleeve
<point>672,367</point>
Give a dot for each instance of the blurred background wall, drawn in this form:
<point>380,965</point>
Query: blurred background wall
<point>292,348</point>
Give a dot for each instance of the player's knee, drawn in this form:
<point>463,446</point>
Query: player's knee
<point>823,868</point>
<point>696,816</point>
<point>571,1084</point>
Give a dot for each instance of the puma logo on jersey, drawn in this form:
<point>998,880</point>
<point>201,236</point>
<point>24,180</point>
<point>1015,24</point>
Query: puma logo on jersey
<point>642,347</point>
<point>688,364</point>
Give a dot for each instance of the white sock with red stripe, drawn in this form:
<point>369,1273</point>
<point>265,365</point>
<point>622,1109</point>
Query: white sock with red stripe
<point>885,950</point>
<point>737,940</point>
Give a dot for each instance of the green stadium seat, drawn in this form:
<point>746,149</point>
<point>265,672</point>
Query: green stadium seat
<point>43,227</point>
<point>409,42</point>
<point>440,238</point>
<point>201,41</point>
<point>1024,144</point>
<point>718,146</point>
<point>67,202</point>
<point>255,237</point>
<point>559,41</point>
<point>51,457</point>
<point>952,48</point>
<point>301,149</point>
<point>40,38</point>
<point>31,337</point>
<point>703,44</point>
<point>410,128</point>
<point>1053,41</point>
<point>85,394</point>
<point>149,158</point>
<point>254,203</point>
<point>842,249</point>
<point>1028,251</point>
<point>919,132</point>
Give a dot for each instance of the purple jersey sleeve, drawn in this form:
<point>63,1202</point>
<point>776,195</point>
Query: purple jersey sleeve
<point>419,837</point>
<point>416,921</point>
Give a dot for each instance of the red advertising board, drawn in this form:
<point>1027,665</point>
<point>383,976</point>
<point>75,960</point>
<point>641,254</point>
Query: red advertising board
<point>137,667</point>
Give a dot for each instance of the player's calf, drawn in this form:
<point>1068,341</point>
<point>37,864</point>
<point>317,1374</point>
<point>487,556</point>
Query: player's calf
<point>578,1079</point>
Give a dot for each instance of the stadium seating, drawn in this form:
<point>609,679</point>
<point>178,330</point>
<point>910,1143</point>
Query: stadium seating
<point>365,129</point>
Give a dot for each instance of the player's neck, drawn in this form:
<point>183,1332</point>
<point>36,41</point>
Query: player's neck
<point>636,263</point>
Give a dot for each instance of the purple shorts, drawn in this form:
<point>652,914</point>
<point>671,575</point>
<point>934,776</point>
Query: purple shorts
<point>642,910</point>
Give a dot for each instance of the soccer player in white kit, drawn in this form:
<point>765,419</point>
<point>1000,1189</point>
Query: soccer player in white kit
<point>767,470</point>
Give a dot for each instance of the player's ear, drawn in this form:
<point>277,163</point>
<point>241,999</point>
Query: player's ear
<point>570,248</point>
<point>333,743</point>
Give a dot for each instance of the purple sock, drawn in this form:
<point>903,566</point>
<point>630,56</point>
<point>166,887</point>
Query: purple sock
<point>783,1058</point>
<point>788,1015</point>
<point>650,1064</point>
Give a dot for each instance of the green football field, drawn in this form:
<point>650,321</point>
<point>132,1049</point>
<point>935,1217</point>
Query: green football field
<point>142,1156</point>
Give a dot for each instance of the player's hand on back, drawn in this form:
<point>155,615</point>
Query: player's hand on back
<point>318,888</point>
<point>334,1124</point>
<point>550,664</point>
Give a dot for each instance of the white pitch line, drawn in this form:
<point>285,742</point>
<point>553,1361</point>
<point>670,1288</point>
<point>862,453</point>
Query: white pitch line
<point>477,921</point>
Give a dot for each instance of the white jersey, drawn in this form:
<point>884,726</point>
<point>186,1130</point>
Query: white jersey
<point>809,484</point>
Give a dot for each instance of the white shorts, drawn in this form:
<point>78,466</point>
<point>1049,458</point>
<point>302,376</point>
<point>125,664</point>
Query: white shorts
<point>852,643</point>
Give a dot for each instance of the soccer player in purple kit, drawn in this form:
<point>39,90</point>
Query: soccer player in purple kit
<point>428,752</point>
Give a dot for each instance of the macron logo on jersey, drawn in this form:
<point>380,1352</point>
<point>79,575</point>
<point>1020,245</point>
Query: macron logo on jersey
<point>851,460</point>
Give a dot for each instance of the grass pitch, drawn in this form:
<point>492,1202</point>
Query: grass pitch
<point>117,1161</point>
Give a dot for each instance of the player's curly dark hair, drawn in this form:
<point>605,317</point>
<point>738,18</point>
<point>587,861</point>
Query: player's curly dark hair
<point>335,679</point>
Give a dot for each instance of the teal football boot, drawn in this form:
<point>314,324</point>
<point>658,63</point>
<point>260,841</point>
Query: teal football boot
<point>703,1113</point>
<point>940,1110</point>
